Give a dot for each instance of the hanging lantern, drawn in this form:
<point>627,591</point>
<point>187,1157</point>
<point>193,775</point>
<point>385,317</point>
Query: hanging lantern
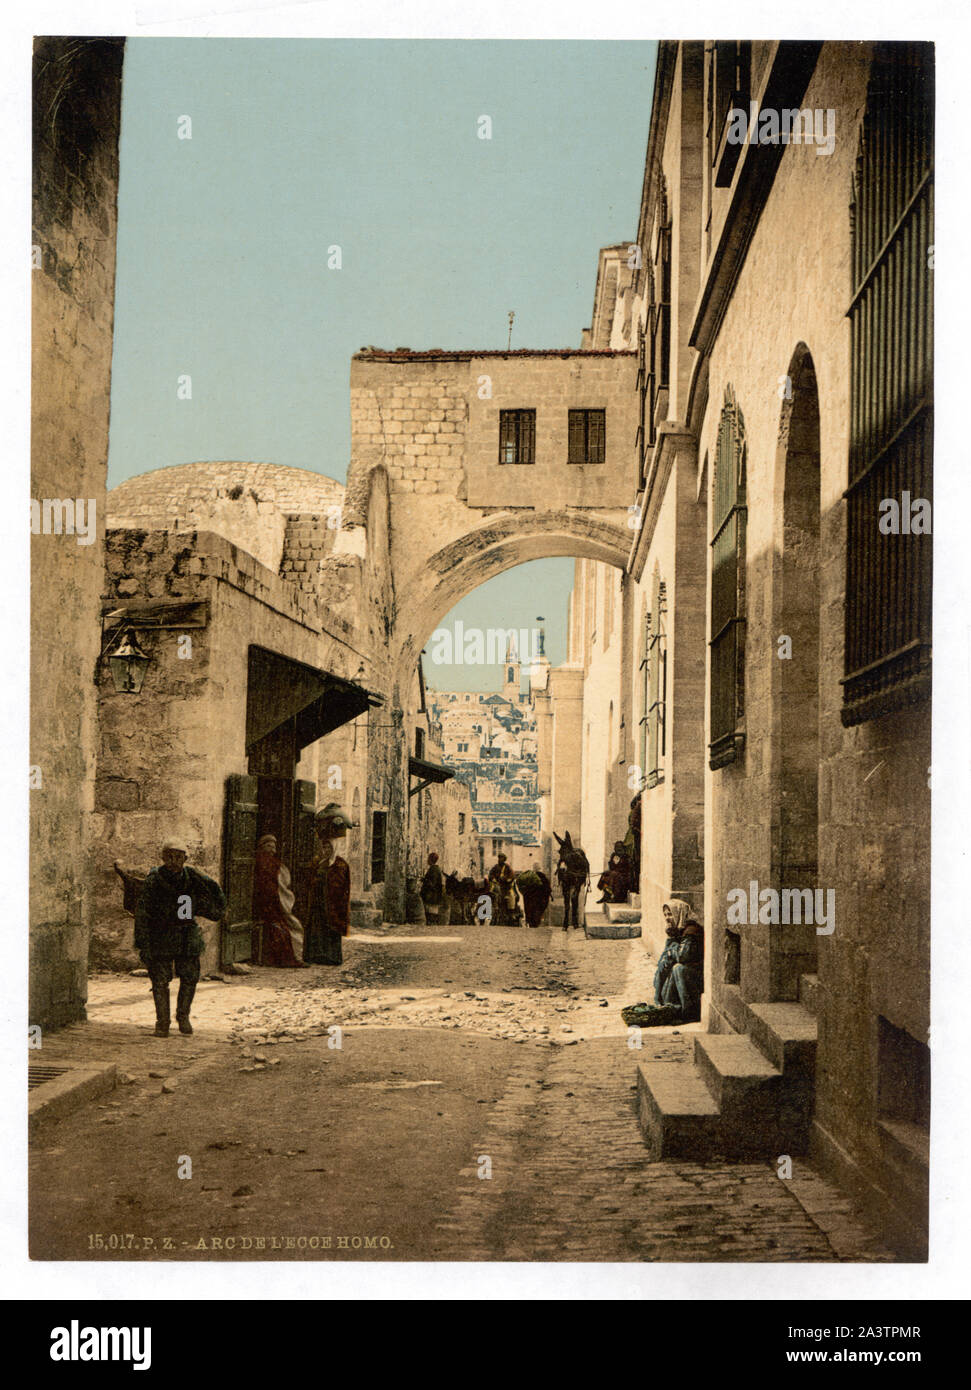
<point>128,664</point>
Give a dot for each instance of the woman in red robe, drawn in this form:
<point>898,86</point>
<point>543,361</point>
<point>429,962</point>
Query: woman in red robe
<point>274,938</point>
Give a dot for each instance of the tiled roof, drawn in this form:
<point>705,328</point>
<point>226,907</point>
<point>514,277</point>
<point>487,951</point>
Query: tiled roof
<point>374,354</point>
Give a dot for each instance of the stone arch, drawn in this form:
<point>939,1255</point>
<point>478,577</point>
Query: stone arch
<point>497,543</point>
<point>794,757</point>
<point>491,543</point>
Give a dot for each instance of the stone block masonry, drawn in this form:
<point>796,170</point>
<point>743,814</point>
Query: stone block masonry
<point>77,98</point>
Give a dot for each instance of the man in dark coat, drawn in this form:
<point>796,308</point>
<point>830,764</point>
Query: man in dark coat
<point>433,889</point>
<point>167,936</point>
<point>328,917</point>
<point>500,884</point>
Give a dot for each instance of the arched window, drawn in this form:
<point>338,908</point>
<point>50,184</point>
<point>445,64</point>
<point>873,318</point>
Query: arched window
<point>727,642</point>
<point>888,556</point>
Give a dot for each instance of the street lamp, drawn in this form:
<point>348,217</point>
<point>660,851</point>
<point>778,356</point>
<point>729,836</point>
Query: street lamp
<point>128,664</point>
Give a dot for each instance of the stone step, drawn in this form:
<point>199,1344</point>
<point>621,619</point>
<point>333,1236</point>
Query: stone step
<point>677,1115</point>
<point>735,1071</point>
<point>600,928</point>
<point>621,912</point>
<point>809,993</point>
<point>786,1034</point>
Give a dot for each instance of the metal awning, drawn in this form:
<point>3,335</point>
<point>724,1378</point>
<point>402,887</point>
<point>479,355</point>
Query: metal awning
<point>431,772</point>
<point>281,690</point>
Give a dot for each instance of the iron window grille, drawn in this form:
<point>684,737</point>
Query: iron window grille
<point>657,668</point>
<point>517,436</point>
<point>587,436</point>
<point>888,577</point>
<point>727,642</point>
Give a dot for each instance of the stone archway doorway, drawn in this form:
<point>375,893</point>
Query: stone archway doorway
<point>503,543</point>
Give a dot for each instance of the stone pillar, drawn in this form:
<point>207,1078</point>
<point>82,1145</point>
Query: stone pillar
<point>396,843</point>
<point>77,103</point>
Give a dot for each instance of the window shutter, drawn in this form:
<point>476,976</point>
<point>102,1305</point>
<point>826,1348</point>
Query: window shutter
<point>727,645</point>
<point>577,442</point>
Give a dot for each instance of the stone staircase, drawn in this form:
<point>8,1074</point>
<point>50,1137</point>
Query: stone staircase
<point>749,1092</point>
<point>614,921</point>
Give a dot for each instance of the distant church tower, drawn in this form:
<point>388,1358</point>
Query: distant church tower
<point>511,681</point>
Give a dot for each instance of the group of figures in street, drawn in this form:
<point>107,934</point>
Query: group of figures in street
<point>501,894</point>
<point>168,938</point>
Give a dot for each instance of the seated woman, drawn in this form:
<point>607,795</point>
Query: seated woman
<point>615,881</point>
<point>280,934</point>
<point>679,977</point>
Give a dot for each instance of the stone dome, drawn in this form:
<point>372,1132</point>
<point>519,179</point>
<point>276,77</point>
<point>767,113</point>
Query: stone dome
<point>251,505</point>
<point>165,494</point>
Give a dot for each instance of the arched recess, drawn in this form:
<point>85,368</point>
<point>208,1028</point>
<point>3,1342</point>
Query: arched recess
<point>795,686</point>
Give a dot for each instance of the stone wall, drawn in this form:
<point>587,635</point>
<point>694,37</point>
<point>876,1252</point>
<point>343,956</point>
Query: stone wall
<point>77,97</point>
<point>873,798</point>
<point>166,753</point>
<point>281,516</point>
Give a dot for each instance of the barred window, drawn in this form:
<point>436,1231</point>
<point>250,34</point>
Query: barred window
<point>587,436</point>
<point>378,828</point>
<point>727,642</point>
<point>888,570</point>
<point>517,436</point>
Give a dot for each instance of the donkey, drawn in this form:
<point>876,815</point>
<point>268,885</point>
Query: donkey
<point>572,872</point>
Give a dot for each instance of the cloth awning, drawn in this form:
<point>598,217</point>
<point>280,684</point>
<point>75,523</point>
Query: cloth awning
<point>281,690</point>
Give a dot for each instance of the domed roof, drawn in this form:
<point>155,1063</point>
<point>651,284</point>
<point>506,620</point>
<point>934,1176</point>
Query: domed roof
<point>164,494</point>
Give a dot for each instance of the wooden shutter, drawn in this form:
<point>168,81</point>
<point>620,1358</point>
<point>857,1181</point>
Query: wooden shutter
<point>577,438</point>
<point>239,857</point>
<point>596,436</point>
<point>527,436</point>
<point>727,642</point>
<point>304,844</point>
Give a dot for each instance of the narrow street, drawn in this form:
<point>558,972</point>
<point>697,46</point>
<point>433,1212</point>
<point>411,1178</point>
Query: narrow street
<point>476,1103</point>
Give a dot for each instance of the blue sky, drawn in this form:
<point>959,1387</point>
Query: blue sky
<point>298,145</point>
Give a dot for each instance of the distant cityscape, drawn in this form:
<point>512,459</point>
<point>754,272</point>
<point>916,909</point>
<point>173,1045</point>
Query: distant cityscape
<point>490,740</point>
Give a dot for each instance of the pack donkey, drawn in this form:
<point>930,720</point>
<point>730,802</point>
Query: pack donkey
<point>572,872</point>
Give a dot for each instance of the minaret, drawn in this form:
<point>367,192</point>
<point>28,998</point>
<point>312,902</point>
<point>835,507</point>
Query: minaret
<point>539,669</point>
<point>511,674</point>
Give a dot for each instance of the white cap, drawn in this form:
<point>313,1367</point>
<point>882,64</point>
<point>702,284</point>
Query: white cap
<point>174,842</point>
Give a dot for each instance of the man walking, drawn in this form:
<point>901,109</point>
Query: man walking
<point>167,936</point>
<point>433,889</point>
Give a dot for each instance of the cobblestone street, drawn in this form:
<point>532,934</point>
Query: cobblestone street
<point>481,1106</point>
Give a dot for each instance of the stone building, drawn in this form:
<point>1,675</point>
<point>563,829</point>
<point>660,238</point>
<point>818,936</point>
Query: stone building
<point>77,98</point>
<point>776,630</point>
<point>253,706</point>
<point>517,456</point>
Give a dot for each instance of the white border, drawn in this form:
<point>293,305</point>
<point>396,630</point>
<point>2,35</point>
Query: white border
<point>945,1277</point>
